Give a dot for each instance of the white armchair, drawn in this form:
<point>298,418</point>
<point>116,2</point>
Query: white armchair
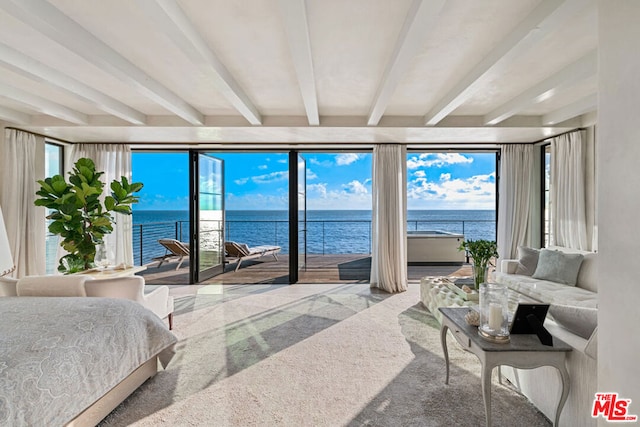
<point>157,301</point>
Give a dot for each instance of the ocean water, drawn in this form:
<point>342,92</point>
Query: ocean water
<point>327,232</point>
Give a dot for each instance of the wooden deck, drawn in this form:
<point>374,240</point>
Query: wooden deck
<point>351,268</point>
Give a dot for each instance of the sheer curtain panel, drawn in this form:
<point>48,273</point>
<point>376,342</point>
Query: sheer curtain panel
<point>516,191</point>
<point>567,192</point>
<point>22,164</point>
<point>115,161</point>
<point>389,218</point>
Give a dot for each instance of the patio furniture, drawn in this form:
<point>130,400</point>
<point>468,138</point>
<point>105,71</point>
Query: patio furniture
<point>242,252</point>
<point>174,249</point>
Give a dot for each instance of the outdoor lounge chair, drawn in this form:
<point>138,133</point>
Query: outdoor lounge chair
<point>174,249</point>
<point>242,252</point>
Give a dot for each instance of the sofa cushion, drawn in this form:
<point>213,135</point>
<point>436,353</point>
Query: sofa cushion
<point>527,260</point>
<point>558,267</point>
<point>581,321</point>
<point>587,276</point>
<point>548,292</point>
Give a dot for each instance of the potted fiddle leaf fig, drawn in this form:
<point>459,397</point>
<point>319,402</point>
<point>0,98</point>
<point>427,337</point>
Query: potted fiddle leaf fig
<point>481,251</point>
<point>79,216</point>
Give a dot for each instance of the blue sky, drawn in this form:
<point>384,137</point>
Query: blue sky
<point>334,181</point>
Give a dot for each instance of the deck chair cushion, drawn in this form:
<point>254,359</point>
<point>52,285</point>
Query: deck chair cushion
<point>236,249</point>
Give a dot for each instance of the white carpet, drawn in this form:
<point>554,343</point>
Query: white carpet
<point>314,355</point>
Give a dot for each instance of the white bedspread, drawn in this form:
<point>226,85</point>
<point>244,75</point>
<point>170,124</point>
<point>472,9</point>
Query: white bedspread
<point>59,355</point>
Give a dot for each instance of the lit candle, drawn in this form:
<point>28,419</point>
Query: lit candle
<point>495,316</point>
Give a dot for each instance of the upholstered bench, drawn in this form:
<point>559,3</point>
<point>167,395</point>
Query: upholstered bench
<point>437,292</point>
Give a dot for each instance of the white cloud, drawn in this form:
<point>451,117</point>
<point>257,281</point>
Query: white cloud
<point>476,192</point>
<point>320,188</point>
<point>283,161</point>
<point>356,187</point>
<point>270,177</point>
<point>324,163</point>
<point>347,159</point>
<point>420,174</point>
<point>439,160</point>
<point>263,167</point>
<point>311,174</point>
<point>241,181</point>
<point>353,195</point>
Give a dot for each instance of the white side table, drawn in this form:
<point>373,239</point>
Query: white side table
<point>523,351</point>
<point>112,273</point>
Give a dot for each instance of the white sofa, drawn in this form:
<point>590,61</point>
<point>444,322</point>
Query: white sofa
<point>133,288</point>
<point>542,385</point>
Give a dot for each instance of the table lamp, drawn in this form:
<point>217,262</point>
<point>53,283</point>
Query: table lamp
<point>6,260</point>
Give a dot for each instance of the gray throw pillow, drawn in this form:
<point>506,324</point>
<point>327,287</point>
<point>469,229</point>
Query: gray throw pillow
<point>527,260</point>
<point>582,321</point>
<point>557,266</point>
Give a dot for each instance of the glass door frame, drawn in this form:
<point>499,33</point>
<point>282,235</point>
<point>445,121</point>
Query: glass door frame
<point>197,275</point>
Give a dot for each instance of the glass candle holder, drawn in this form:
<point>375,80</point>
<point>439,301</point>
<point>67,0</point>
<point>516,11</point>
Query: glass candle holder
<point>494,313</point>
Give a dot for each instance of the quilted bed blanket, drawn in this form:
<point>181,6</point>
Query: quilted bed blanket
<point>60,355</point>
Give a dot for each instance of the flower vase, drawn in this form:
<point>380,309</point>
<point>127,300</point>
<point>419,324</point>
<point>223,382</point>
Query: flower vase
<point>480,275</point>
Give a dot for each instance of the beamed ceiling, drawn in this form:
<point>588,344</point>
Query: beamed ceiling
<point>295,71</point>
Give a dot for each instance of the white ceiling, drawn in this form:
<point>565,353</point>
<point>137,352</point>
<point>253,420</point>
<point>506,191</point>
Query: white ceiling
<point>295,71</point>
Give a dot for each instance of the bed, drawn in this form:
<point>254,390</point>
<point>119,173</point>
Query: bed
<point>70,361</point>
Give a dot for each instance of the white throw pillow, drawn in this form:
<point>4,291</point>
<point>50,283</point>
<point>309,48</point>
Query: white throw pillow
<point>527,260</point>
<point>557,266</point>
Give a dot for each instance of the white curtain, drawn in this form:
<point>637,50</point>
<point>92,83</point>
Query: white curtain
<point>23,164</point>
<point>389,218</point>
<point>567,209</point>
<point>115,161</point>
<point>516,189</point>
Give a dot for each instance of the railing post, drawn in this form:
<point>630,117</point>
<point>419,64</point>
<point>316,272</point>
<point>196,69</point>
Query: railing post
<point>276,243</point>
<point>323,238</point>
<point>141,244</point>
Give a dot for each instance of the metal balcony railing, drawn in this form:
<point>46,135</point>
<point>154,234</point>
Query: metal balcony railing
<point>322,236</point>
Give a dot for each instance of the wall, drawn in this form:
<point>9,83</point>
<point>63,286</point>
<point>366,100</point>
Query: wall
<point>618,204</point>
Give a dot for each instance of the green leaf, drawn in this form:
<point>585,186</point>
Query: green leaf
<point>109,203</point>
<point>122,209</point>
<point>59,185</point>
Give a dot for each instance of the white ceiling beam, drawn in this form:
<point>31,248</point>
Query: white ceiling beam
<point>14,116</point>
<point>35,70</point>
<point>418,23</point>
<point>585,67</point>
<point>546,15</point>
<point>46,19</point>
<point>294,15</point>
<point>172,20</point>
<point>582,106</point>
<point>44,106</point>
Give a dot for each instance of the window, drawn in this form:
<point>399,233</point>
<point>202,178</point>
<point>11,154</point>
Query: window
<point>53,165</point>
<point>453,192</point>
<point>546,202</point>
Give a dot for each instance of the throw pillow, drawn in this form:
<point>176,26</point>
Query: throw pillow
<point>558,267</point>
<point>581,321</point>
<point>527,260</point>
